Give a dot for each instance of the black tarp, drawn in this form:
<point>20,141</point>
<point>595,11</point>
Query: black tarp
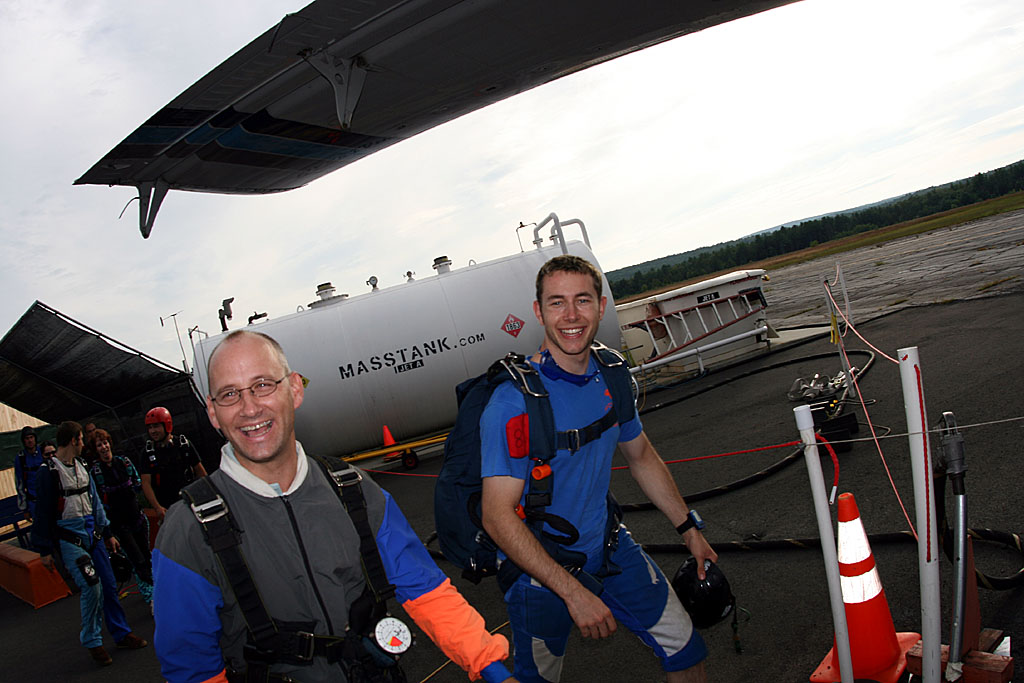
<point>54,368</point>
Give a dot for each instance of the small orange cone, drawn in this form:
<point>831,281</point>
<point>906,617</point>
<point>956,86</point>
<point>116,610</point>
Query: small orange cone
<point>878,652</point>
<point>390,441</point>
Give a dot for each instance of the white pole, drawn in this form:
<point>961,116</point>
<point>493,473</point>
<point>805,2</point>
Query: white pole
<point>924,503</point>
<point>805,423</point>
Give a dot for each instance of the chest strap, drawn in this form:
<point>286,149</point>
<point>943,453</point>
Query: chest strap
<point>573,440</point>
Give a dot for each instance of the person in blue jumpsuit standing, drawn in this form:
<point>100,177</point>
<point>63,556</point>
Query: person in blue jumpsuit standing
<point>26,464</point>
<point>546,599</point>
<point>70,521</point>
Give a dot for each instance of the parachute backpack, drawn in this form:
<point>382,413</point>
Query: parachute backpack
<point>457,493</point>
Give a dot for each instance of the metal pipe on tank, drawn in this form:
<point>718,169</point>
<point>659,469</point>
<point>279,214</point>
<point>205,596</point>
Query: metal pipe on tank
<point>538,241</point>
<point>583,229</point>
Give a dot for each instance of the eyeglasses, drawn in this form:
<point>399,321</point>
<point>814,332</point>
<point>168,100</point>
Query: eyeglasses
<point>47,454</point>
<point>259,388</point>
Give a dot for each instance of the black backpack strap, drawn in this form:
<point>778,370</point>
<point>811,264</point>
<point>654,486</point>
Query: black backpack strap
<point>225,539</point>
<point>346,480</point>
<point>615,370</point>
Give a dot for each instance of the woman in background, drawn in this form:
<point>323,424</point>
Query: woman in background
<point>117,482</point>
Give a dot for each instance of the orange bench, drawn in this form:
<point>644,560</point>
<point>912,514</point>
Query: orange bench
<point>23,575</point>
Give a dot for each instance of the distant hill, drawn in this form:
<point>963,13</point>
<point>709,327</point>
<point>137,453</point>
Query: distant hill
<point>808,232</point>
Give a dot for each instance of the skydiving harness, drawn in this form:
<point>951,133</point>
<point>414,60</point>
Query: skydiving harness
<point>59,533</point>
<point>463,540</point>
<point>159,465</point>
<point>61,491</point>
<point>368,653</point>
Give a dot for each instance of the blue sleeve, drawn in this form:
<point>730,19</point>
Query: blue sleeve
<point>505,407</point>
<point>630,430</point>
<point>406,561</point>
<point>188,628</point>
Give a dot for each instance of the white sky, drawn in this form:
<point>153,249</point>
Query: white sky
<point>810,108</point>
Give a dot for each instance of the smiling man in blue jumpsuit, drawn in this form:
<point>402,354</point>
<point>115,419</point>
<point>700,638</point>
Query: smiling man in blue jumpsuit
<point>546,600</point>
<point>301,547</point>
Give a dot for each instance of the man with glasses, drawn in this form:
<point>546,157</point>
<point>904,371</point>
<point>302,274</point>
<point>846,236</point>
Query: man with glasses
<point>168,464</point>
<point>313,562</point>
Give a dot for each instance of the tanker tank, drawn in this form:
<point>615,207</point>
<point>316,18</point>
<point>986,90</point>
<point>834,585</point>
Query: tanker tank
<point>394,356</point>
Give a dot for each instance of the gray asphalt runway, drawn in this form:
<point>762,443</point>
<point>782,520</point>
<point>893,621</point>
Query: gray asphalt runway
<point>971,345</point>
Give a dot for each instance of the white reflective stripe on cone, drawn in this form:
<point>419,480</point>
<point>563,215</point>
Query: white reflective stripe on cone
<point>860,588</point>
<point>853,542</point>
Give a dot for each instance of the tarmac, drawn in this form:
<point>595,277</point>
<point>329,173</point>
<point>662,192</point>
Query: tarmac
<point>956,294</point>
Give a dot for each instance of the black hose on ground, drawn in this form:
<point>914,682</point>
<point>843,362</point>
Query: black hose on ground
<point>771,469</point>
<point>1011,540</point>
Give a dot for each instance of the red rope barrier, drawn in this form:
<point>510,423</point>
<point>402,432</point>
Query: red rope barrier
<point>626,467</point>
<point>722,455</point>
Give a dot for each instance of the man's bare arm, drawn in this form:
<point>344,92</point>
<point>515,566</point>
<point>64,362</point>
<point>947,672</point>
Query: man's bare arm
<point>500,497</point>
<point>657,483</point>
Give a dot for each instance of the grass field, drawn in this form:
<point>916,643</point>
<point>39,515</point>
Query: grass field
<point>963,214</point>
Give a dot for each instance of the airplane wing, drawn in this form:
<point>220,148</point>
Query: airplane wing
<point>342,79</point>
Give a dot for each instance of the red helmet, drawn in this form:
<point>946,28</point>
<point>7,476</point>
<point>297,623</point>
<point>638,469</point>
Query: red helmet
<point>160,415</point>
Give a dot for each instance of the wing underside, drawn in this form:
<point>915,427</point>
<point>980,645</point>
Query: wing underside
<point>339,80</point>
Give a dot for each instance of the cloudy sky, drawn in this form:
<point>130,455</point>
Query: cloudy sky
<point>814,107</point>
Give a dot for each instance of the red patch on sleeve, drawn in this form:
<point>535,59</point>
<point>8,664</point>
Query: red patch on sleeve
<point>517,434</point>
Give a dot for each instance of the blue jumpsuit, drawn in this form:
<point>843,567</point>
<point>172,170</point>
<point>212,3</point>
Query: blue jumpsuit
<point>79,516</point>
<point>640,597</point>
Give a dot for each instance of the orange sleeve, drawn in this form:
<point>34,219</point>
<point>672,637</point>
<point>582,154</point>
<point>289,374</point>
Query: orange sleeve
<point>457,629</point>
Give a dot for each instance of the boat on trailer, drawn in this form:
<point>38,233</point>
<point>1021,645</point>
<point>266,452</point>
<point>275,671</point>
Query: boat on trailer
<point>716,320</point>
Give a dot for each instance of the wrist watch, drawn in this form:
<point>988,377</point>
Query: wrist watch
<point>693,520</point>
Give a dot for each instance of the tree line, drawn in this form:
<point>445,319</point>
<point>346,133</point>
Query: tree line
<point>980,187</point>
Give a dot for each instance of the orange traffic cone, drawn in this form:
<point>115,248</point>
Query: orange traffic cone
<point>390,441</point>
<point>878,652</point>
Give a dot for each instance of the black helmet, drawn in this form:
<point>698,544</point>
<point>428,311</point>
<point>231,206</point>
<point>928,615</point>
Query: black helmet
<point>121,566</point>
<point>708,601</point>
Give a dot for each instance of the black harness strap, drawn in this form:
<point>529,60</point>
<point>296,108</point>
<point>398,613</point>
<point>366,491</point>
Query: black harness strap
<point>224,538</point>
<point>346,481</point>
<point>575,439</point>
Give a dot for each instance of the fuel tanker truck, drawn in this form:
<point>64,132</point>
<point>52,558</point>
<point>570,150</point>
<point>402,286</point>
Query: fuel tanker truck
<point>393,356</point>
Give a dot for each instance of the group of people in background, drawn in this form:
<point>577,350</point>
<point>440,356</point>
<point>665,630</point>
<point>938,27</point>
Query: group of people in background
<point>83,502</point>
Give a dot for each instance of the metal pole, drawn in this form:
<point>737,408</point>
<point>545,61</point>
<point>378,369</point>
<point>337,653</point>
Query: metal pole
<point>805,423</point>
<point>833,312</point>
<point>924,503</point>
<point>952,443</point>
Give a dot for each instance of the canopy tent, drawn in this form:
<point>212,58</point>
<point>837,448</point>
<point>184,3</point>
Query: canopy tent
<point>55,368</point>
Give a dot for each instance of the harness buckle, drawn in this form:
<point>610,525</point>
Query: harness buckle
<point>308,642</point>
<point>346,477</point>
<point>208,512</point>
<point>519,371</point>
<point>572,436</point>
